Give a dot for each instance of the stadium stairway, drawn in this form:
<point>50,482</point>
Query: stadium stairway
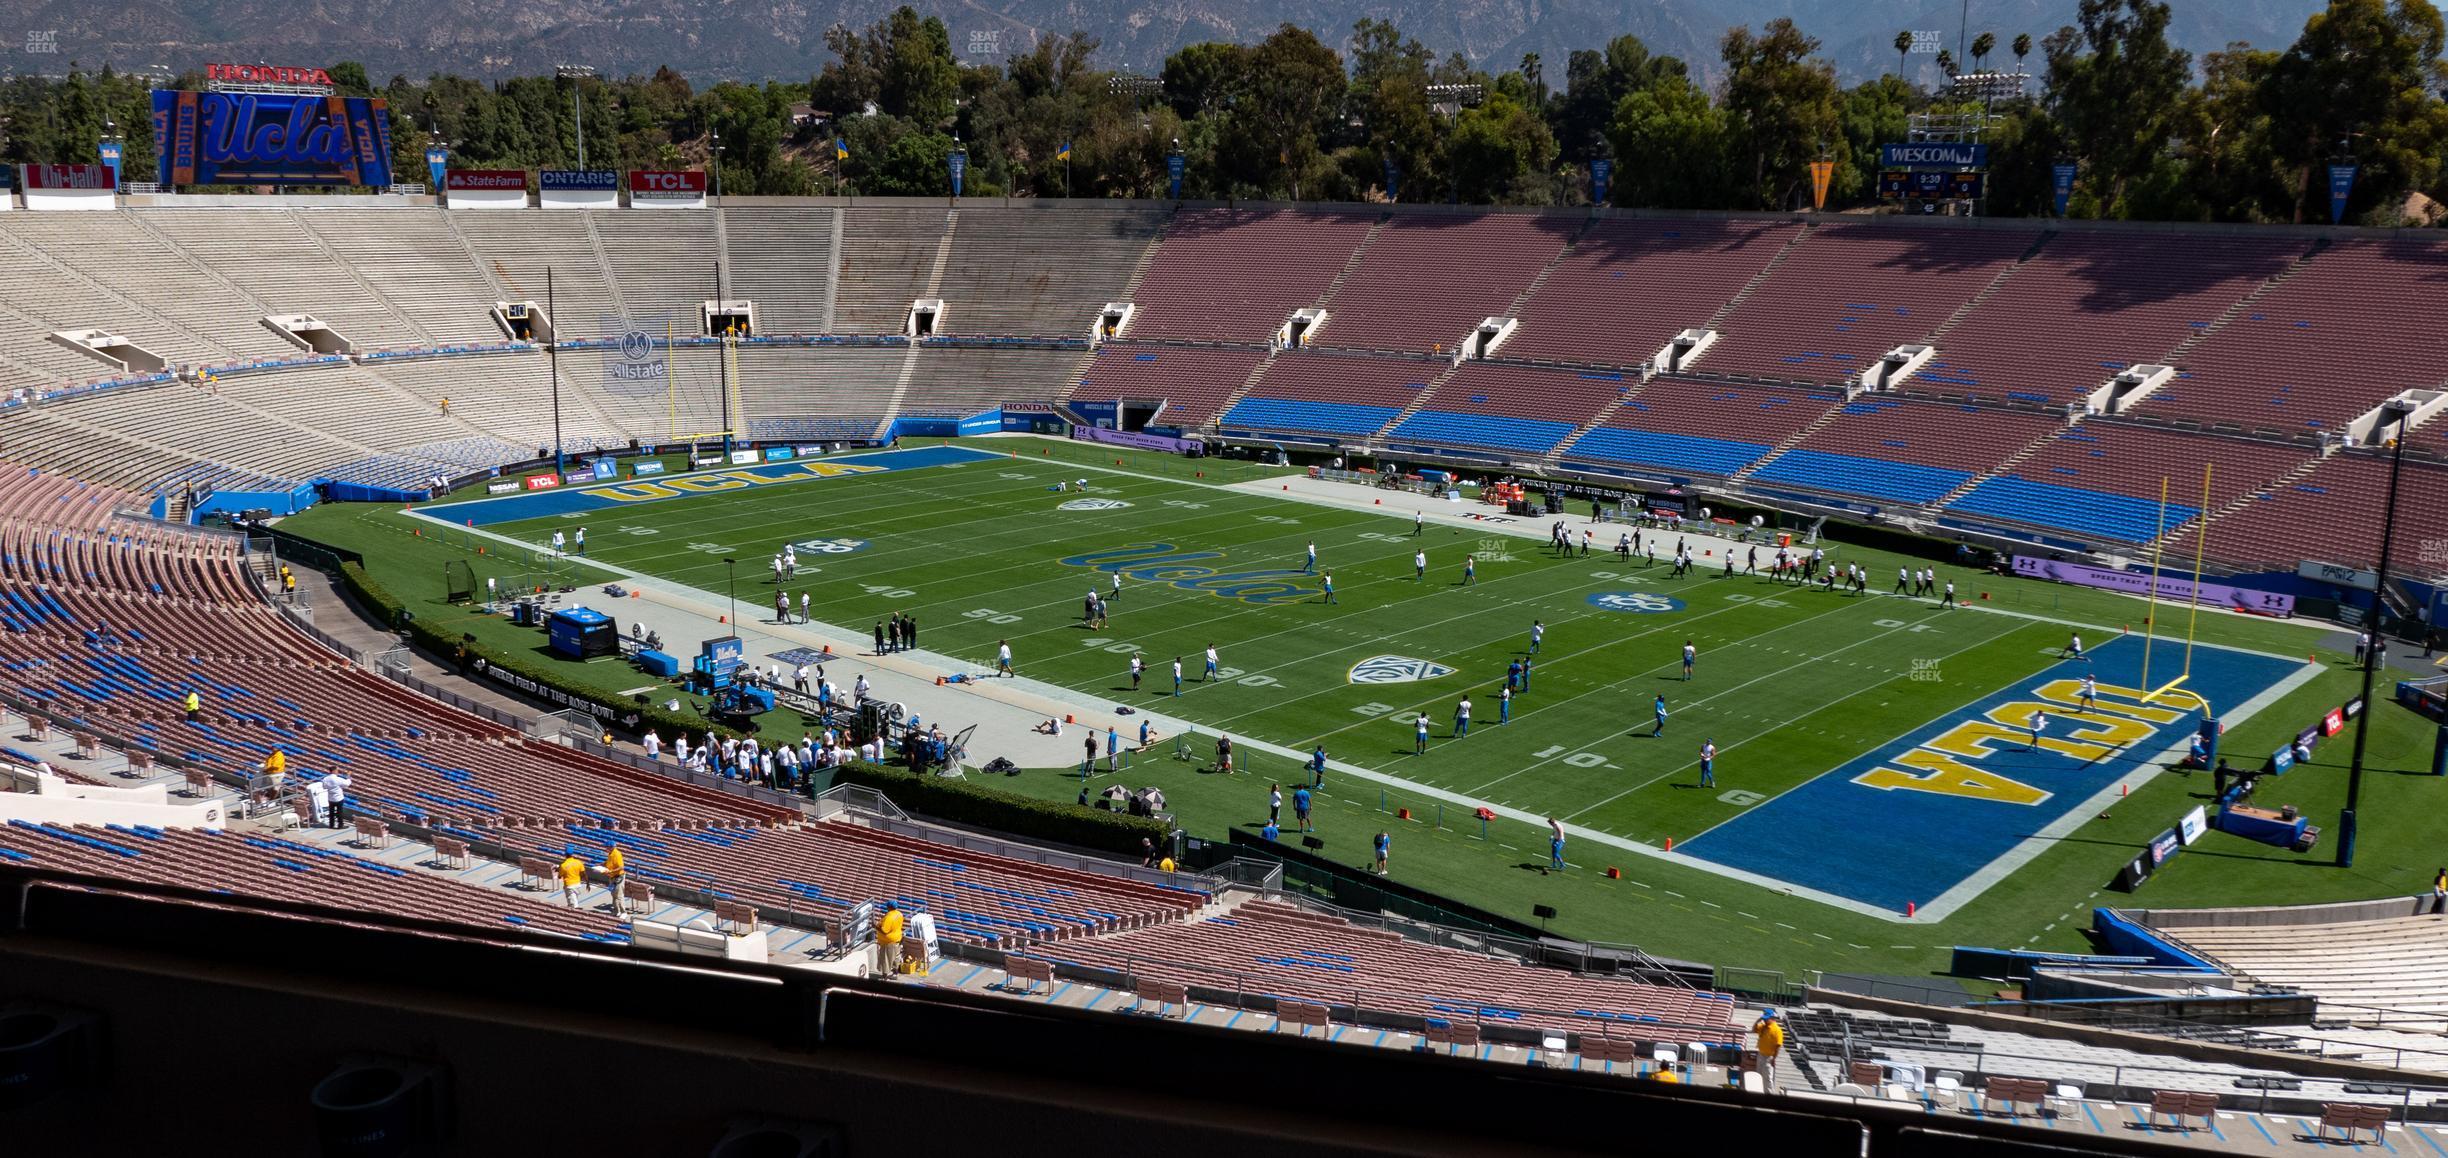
<point>1989,291</point>
<point>1834,411</point>
<point>1359,252</point>
<point>934,289</point>
<point>2009,463</point>
<point>1555,457</point>
<point>2209,519</point>
<point>1717,320</point>
<point>1420,399</point>
<point>2243,304</point>
<point>1242,391</point>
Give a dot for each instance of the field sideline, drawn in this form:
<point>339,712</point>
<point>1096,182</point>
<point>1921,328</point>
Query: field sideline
<point>1789,685</point>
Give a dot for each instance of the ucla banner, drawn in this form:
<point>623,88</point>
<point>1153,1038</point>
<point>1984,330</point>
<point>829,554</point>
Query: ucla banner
<point>638,361</point>
<point>110,160</point>
<point>2341,186</point>
<point>1173,171</point>
<point>213,138</point>
<point>2061,185</point>
<point>1393,180</point>
<point>1602,173</point>
<point>959,163</point>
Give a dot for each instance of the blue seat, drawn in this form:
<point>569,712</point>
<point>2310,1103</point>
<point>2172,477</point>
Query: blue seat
<point>1446,428</point>
<point>1847,474</point>
<point>2076,509</point>
<point>1678,452</point>
<point>1297,415</point>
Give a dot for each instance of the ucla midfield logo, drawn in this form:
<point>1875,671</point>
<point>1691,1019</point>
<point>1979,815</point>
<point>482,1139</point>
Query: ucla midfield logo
<point>1396,669</point>
<point>1162,563</point>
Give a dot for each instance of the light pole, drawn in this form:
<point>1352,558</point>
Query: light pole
<point>2397,413</point>
<point>718,150</point>
<point>577,74</point>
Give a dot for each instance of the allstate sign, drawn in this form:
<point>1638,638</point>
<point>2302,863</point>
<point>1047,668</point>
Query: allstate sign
<point>1635,602</point>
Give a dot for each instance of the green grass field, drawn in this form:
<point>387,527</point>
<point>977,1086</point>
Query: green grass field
<point>1791,684</point>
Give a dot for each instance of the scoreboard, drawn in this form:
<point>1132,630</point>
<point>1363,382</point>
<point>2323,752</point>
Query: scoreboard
<point>1916,183</point>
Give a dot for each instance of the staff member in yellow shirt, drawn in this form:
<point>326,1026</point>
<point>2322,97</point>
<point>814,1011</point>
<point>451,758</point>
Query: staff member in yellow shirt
<point>276,768</point>
<point>1771,1033</point>
<point>615,869</point>
<point>195,708</point>
<point>888,940</point>
<point>573,875</point>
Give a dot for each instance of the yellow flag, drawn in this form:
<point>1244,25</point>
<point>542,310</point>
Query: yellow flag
<point>1821,172</point>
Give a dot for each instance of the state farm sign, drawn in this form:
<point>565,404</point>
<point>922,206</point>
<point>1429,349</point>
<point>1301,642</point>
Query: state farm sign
<point>668,186</point>
<point>485,179</point>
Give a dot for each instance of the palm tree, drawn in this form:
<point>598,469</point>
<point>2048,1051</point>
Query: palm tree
<point>1903,43</point>
<point>2022,46</point>
<point>1946,61</point>
<point>1532,72</point>
<point>1982,46</point>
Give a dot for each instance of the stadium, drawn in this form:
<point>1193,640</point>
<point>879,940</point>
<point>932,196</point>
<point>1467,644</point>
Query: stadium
<point>1889,684</point>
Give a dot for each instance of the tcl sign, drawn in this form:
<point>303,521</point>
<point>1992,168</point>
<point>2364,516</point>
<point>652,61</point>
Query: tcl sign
<point>667,184</point>
<point>537,482</point>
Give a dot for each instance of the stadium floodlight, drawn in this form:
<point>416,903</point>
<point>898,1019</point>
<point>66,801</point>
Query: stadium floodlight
<point>1987,86</point>
<point>1134,86</point>
<point>578,73</point>
<point>2400,413</point>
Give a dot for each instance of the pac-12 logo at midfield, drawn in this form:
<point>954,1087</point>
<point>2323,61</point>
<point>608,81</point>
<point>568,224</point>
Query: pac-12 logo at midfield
<point>1093,505</point>
<point>1396,669</point>
<point>828,546</point>
<point>1636,602</point>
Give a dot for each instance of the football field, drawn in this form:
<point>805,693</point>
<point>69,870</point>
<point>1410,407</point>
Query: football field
<point>1870,751</point>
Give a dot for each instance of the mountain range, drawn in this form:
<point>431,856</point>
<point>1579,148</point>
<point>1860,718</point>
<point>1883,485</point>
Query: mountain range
<point>713,40</point>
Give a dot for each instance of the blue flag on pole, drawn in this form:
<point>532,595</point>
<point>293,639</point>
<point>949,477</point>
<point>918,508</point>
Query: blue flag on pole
<point>2061,185</point>
<point>1173,170</point>
<point>1602,170</point>
<point>2341,186</point>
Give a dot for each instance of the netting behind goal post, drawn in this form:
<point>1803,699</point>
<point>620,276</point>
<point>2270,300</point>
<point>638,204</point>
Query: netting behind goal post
<point>458,581</point>
<point>646,363</point>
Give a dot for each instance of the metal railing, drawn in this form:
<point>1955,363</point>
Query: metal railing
<point>2256,1038</point>
<point>1357,1005</point>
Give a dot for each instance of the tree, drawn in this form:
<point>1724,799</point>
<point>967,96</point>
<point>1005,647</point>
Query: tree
<point>2114,84</point>
<point>1982,46</point>
<point>1500,152</point>
<point>2232,173</point>
<point>1284,100</point>
<point>1946,61</point>
<point>2022,46</point>
<point>1875,112</point>
<point>1780,106</point>
<point>1681,141</point>
<point>2363,72</point>
<point>1903,47</point>
<point>1535,73</point>
<point>1597,81</point>
<point>1389,93</point>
